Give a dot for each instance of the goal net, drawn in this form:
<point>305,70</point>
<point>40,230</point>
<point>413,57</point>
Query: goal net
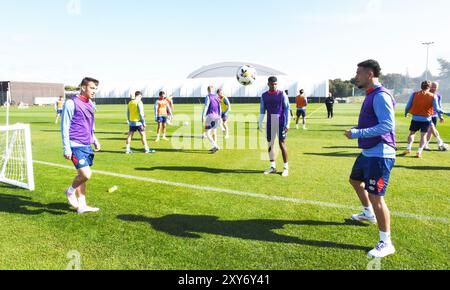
<point>16,162</point>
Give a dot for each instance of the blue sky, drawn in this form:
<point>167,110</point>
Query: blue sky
<point>137,40</point>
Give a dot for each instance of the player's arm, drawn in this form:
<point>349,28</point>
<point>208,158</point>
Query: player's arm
<point>156,110</point>
<point>227,102</point>
<point>141,113</point>
<point>384,110</point>
<point>287,112</point>
<point>66,121</point>
<point>205,110</point>
<point>306,102</point>
<point>437,108</point>
<point>169,109</point>
<point>262,114</point>
<point>409,105</point>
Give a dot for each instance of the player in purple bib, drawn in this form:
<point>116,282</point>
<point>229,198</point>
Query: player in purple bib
<point>276,104</point>
<point>77,130</point>
<point>376,137</point>
<point>213,114</point>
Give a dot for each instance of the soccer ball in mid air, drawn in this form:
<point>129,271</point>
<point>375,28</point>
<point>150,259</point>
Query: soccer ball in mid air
<point>246,75</point>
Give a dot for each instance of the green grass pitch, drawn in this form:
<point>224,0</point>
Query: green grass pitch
<point>151,225</point>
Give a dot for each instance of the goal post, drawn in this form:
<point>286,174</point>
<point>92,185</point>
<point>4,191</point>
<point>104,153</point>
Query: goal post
<point>16,161</point>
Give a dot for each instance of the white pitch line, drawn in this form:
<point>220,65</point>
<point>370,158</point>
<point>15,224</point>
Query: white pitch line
<point>248,194</point>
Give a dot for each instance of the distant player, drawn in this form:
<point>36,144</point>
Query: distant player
<point>330,101</point>
<point>162,111</point>
<point>276,104</point>
<point>212,116</point>
<point>433,131</point>
<point>77,130</point>
<point>59,106</point>
<point>290,109</point>
<point>422,105</point>
<point>225,107</point>
<point>302,104</point>
<point>372,170</point>
<point>171,111</point>
<point>136,120</point>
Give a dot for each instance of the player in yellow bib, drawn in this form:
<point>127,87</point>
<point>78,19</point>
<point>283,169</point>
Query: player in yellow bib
<point>225,106</point>
<point>59,106</point>
<point>136,120</point>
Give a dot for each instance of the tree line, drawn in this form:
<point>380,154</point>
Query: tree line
<point>402,85</point>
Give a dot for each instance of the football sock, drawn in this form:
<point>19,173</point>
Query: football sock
<point>385,237</point>
<point>71,190</point>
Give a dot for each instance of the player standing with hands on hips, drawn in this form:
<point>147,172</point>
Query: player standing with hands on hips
<point>77,130</point>
<point>372,170</point>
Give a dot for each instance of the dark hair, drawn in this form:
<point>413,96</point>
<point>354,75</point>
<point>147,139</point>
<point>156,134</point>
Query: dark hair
<point>86,81</point>
<point>372,65</point>
<point>161,93</point>
<point>426,85</point>
<point>273,80</point>
<point>302,91</point>
<point>138,93</point>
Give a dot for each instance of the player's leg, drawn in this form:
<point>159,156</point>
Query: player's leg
<point>271,136</point>
<point>128,142</point>
<point>84,175</point>
<point>411,138</point>
<point>380,173</point>
<point>158,131</point>
<point>164,129</point>
<point>357,180</point>
<point>423,138</point>
<point>284,151</point>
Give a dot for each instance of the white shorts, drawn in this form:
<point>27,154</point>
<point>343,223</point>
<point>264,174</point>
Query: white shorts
<point>212,123</point>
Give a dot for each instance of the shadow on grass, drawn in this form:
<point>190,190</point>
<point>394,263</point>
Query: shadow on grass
<point>424,168</point>
<point>341,147</point>
<point>16,204</point>
<point>165,150</point>
<point>335,154</point>
<point>200,169</point>
<point>187,226</point>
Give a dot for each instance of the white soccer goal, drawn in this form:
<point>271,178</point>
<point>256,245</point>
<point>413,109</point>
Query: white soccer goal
<point>16,161</point>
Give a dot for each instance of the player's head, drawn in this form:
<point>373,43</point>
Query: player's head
<point>89,87</point>
<point>162,95</point>
<point>434,87</point>
<point>220,92</point>
<point>426,85</point>
<point>273,83</point>
<point>302,92</point>
<point>210,89</point>
<point>287,92</point>
<point>138,95</point>
<point>60,98</point>
<point>368,72</point>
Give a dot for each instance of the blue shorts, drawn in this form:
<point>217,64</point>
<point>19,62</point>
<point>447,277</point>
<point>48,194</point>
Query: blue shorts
<point>374,172</point>
<point>224,117</point>
<point>59,112</point>
<point>272,133</point>
<point>134,129</point>
<point>435,121</point>
<point>301,113</point>
<point>82,157</point>
<point>162,120</point>
<point>420,126</point>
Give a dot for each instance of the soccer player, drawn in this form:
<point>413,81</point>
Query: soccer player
<point>136,120</point>
<point>302,104</point>
<point>212,115</point>
<point>162,110</point>
<point>290,109</point>
<point>171,111</point>
<point>77,130</point>
<point>225,107</point>
<point>433,131</point>
<point>276,103</point>
<point>59,106</point>
<point>376,137</point>
<point>422,105</point>
<point>330,106</point>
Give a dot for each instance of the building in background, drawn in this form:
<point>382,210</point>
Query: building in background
<point>221,75</point>
<point>30,93</point>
